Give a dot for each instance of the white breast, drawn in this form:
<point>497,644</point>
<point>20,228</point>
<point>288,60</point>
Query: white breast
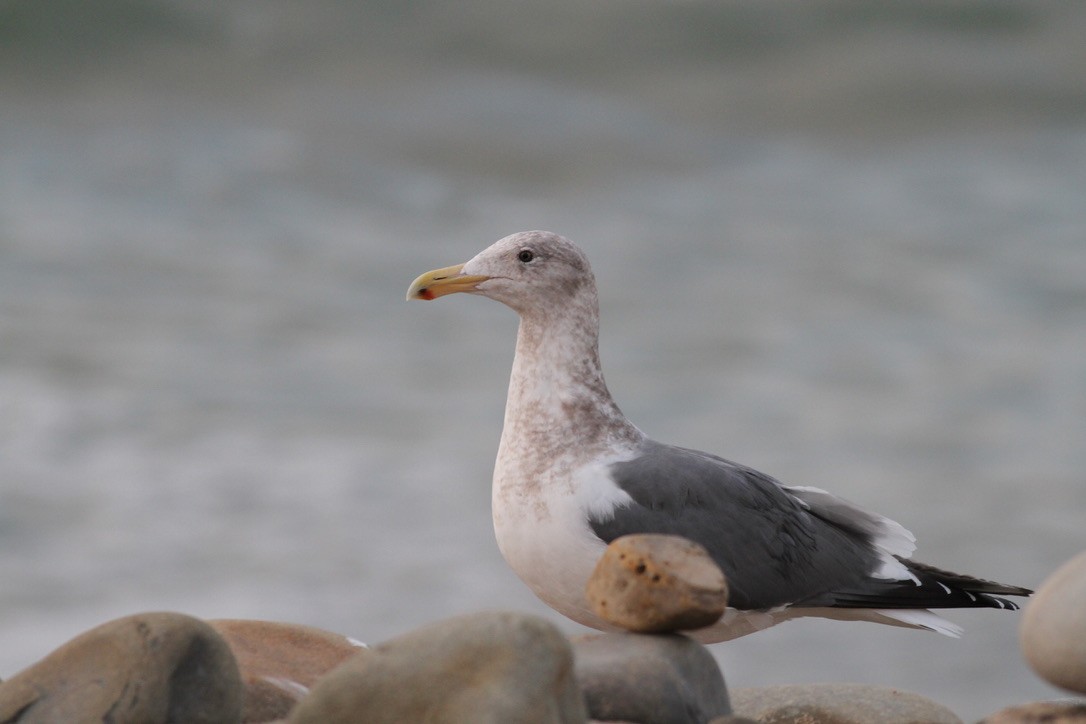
<point>542,528</point>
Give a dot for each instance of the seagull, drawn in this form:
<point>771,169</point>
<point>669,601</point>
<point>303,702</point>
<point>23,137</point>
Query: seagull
<point>573,474</point>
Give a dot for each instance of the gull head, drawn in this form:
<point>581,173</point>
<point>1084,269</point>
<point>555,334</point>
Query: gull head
<point>530,271</point>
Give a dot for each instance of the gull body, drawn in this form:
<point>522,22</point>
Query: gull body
<point>572,474</point>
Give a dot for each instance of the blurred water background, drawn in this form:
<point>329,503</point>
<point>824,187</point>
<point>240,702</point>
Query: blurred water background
<point>843,242</point>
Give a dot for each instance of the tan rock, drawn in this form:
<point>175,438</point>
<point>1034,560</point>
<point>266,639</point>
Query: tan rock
<point>489,668</point>
<point>1053,629</point>
<point>1040,712</point>
<point>657,584</point>
<point>837,704</point>
<point>150,667</point>
<point>279,662</point>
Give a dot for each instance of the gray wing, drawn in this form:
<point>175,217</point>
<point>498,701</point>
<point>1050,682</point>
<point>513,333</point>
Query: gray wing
<point>772,550</point>
<point>781,546</point>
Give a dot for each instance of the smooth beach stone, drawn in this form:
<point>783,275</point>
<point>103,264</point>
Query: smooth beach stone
<point>1053,629</point>
<point>838,704</point>
<point>659,678</point>
<point>150,667</point>
<point>279,662</point>
<point>490,668</point>
<point>1040,712</point>
<point>657,584</point>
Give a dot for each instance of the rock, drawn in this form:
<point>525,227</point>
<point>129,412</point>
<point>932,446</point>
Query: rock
<point>1053,629</point>
<point>279,662</point>
<point>838,704</point>
<point>487,668</point>
<point>150,667</point>
<point>1041,712</point>
<point>657,584</point>
<point>661,678</point>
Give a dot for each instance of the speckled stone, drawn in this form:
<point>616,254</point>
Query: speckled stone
<point>657,584</point>
<point>1040,712</point>
<point>838,704</point>
<point>1053,629</point>
<point>489,668</point>
<point>279,662</point>
<point>150,667</point>
<point>659,678</point>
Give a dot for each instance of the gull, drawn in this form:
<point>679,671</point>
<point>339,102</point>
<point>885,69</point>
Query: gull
<point>573,474</point>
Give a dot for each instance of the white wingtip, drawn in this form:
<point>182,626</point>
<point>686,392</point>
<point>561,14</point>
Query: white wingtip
<point>923,618</point>
<point>891,569</point>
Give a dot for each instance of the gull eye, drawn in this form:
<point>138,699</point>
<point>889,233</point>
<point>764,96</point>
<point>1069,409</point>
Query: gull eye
<point>525,255</point>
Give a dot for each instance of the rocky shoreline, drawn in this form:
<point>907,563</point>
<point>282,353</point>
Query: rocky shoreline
<point>499,666</point>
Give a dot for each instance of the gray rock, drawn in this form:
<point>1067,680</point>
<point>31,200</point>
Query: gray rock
<point>1041,712</point>
<point>1053,629</point>
<point>838,704</point>
<point>499,668</point>
<point>279,662</point>
<point>151,667</point>
<point>657,584</point>
<point>661,678</point>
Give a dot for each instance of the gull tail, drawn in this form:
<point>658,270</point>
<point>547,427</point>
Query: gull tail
<point>924,587</point>
<point>965,591</point>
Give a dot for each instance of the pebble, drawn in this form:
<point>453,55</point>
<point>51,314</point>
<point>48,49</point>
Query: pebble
<point>150,667</point>
<point>662,678</point>
<point>657,584</point>
<point>279,662</point>
<point>1052,634</point>
<point>838,704</point>
<point>1040,712</point>
<point>487,667</point>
